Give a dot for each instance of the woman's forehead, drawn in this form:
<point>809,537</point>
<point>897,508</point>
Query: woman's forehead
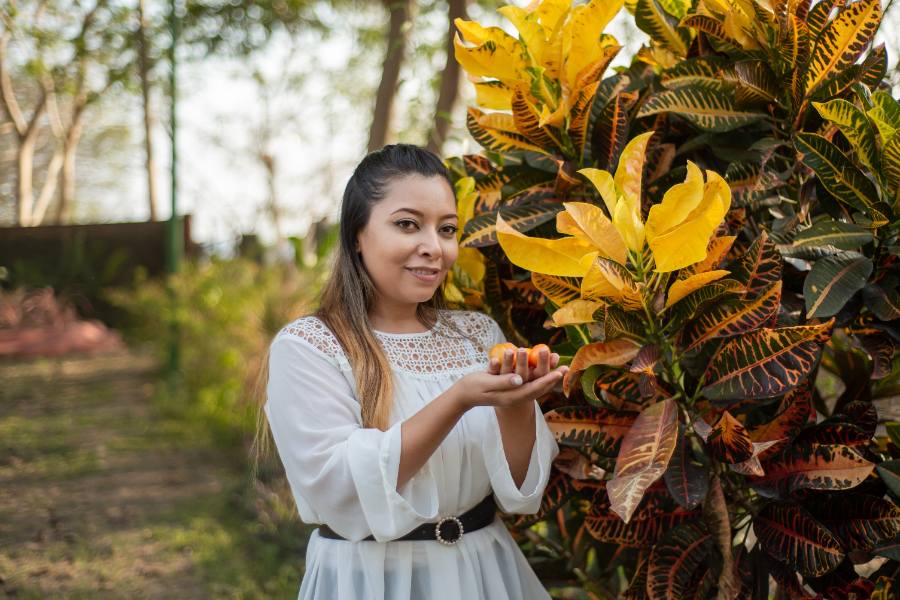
<point>426,196</point>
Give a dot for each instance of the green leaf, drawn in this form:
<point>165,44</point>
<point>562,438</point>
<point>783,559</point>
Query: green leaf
<point>855,126</point>
<point>828,232</point>
<point>889,471</point>
<point>885,113</point>
<point>653,20</point>
<point>832,282</point>
<point>709,107</point>
<point>841,177</point>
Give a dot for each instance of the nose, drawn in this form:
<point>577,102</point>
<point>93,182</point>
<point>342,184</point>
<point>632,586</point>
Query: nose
<point>430,245</point>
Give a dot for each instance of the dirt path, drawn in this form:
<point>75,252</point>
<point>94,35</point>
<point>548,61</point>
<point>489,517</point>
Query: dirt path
<point>95,483</point>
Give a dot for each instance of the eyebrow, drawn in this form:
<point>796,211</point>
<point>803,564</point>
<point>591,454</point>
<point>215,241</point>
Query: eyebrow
<point>416,212</point>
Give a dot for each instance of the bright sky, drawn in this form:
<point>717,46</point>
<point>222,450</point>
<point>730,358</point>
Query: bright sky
<point>224,186</point>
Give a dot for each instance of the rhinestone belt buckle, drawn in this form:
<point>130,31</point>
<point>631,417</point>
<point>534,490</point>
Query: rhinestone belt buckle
<point>443,540</point>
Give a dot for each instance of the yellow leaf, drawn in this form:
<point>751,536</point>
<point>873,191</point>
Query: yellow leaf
<point>501,56</point>
<point>581,37</point>
<point>471,261</point>
<point>606,280</point>
<point>551,13</point>
<point>677,203</point>
<point>683,287</point>
<point>529,29</point>
<point>715,253</point>
<point>597,228</point>
<point>603,182</point>
<point>465,202</point>
<point>567,257</point>
<point>472,31</point>
<point>631,166</point>
<point>627,221</point>
<point>494,95</point>
<point>451,292</point>
<point>576,312</point>
<point>679,245</point>
<point>498,120</point>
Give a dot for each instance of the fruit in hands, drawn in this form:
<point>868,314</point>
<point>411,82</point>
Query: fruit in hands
<point>498,350</point>
<point>534,356</point>
<point>533,353</point>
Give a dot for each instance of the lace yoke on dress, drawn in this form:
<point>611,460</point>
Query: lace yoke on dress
<point>427,354</point>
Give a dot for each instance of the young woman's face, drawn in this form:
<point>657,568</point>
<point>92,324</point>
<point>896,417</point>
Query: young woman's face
<point>409,242</point>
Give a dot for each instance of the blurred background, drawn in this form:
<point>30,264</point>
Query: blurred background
<point>141,281</point>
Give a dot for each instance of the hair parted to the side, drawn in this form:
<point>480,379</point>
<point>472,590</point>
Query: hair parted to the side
<point>349,293</point>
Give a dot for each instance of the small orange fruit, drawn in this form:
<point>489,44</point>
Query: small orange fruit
<point>534,356</point>
<point>498,350</point>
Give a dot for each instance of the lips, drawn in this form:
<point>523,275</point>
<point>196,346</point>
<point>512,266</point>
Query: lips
<point>427,275</point>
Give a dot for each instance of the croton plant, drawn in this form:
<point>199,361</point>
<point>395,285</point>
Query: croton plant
<point>708,238</point>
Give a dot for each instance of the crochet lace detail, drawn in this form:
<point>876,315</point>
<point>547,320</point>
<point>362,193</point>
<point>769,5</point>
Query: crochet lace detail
<point>436,352</point>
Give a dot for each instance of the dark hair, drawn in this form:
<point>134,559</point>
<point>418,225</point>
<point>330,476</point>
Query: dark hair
<point>348,293</point>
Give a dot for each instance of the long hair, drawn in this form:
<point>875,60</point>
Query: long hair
<point>349,293</point>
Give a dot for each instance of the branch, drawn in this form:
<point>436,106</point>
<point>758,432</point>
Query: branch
<point>8,96</point>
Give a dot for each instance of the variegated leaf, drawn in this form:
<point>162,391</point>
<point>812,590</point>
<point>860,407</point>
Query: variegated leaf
<point>613,353</point>
<point>643,457</point>
<point>859,521</point>
<point>729,441</point>
<point>707,107</point>
<point>855,126</point>
<point>560,290</point>
<point>527,120</point>
<point>728,320</point>
<point>833,280</point>
<point>674,560</point>
<point>496,139</point>
<point>649,523</point>
<point>687,478</point>
<point>841,177</point>
<point>653,20</point>
<point>481,230</point>
<point>611,130</point>
<point>759,267</point>
<point>843,40</point>
<point>812,466</point>
<point>764,363</point>
<point>589,426</point>
<point>790,534</point>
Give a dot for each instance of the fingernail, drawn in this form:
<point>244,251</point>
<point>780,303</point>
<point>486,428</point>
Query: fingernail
<point>516,380</point>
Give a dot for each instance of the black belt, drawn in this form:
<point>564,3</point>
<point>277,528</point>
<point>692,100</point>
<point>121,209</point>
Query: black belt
<point>447,531</point>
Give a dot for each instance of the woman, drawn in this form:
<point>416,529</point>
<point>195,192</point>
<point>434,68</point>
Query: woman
<point>396,432</point>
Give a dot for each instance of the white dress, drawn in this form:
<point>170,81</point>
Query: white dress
<point>345,475</point>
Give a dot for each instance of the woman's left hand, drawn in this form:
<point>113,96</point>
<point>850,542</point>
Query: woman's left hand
<point>546,362</point>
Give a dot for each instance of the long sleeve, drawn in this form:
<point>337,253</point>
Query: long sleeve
<point>527,498</point>
<point>340,473</point>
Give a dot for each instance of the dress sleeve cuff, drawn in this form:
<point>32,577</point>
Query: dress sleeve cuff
<point>374,457</point>
<point>525,499</point>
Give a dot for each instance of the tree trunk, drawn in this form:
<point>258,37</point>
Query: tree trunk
<point>449,88</point>
<point>400,11</point>
<point>70,151</point>
<point>144,68</point>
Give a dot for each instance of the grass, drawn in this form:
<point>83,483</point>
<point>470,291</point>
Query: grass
<point>110,487</point>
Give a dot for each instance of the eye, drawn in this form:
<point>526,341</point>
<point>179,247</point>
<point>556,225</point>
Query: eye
<point>451,229</point>
<point>400,224</point>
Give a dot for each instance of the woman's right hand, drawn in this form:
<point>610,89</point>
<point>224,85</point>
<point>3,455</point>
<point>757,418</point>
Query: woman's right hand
<point>504,390</point>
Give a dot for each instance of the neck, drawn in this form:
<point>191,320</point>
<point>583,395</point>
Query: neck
<point>395,317</point>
